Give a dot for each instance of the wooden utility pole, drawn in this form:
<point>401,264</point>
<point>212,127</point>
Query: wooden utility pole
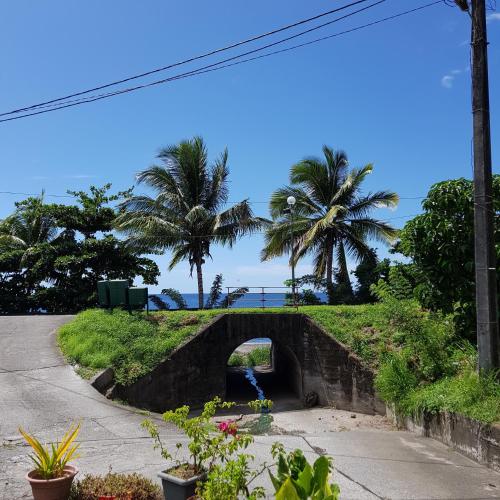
<point>484,244</point>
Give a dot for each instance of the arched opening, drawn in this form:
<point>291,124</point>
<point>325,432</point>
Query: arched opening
<point>264,369</point>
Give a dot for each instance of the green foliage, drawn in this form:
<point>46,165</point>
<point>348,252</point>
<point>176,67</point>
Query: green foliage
<point>123,486</point>
<point>205,446</point>
<point>469,393</point>
<point>441,244</point>
<point>330,217</point>
<point>160,304</point>
<point>176,297</point>
<point>368,272</point>
<point>131,345</point>
<point>230,480</point>
<point>258,356</point>
<point>429,368</point>
<point>215,292</point>
<point>297,479</point>
<point>185,215</point>
<point>50,460</point>
<point>53,255</point>
<point>237,359</point>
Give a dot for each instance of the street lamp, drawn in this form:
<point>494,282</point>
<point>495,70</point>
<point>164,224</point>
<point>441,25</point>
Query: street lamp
<point>291,202</point>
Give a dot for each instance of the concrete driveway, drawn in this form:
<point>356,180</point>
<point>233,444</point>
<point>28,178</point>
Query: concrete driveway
<point>44,395</point>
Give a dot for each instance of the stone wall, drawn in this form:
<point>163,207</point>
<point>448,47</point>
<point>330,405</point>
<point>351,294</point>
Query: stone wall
<point>196,371</point>
<point>478,441</point>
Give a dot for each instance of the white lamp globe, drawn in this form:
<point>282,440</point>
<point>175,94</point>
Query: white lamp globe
<point>291,200</point>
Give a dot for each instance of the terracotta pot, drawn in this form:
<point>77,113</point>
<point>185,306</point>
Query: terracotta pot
<point>52,489</point>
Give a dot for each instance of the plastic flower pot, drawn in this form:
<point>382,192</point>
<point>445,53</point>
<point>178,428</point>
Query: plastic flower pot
<point>52,489</point>
<point>175,488</point>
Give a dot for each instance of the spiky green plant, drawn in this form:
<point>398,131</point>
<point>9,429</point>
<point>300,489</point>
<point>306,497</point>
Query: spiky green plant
<point>50,460</point>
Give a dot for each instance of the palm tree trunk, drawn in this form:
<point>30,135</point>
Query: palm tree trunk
<point>344,272</point>
<point>329,269</point>
<point>199,275</point>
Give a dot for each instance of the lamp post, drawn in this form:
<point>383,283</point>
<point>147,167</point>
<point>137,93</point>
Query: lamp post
<point>291,202</point>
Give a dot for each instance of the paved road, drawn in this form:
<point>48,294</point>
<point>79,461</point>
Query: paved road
<point>44,395</point>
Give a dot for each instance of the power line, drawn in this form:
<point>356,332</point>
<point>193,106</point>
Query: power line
<point>191,59</point>
<point>68,104</point>
<point>218,65</point>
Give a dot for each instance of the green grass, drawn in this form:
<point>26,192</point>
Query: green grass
<point>467,393</point>
<point>257,357</point>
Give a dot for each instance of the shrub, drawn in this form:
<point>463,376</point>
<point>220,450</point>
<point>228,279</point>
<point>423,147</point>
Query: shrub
<point>237,359</point>
<point>259,356</point>
<point>123,486</point>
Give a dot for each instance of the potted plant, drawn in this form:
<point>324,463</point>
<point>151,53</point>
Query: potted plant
<point>296,479</point>
<point>208,443</point>
<point>52,476</point>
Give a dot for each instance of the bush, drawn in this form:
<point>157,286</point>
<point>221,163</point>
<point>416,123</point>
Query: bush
<point>469,393</point>
<point>237,359</point>
<point>256,357</point>
<point>123,486</point>
<point>259,356</point>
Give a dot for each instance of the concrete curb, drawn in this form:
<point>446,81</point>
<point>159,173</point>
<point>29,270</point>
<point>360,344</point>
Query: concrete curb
<point>477,441</point>
<point>103,380</point>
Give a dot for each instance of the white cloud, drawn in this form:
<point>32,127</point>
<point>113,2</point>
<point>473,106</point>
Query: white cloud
<point>447,81</point>
<point>495,16</point>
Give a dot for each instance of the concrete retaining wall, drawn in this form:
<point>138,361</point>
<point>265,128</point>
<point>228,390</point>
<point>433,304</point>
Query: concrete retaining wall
<point>196,371</point>
<point>480,442</point>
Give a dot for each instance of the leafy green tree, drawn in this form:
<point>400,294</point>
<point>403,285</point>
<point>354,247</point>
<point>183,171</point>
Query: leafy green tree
<point>330,218</point>
<point>60,271</point>
<point>441,244</point>
<point>368,272</point>
<point>186,216</point>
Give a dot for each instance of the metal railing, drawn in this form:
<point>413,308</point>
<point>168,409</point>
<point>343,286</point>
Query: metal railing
<point>265,297</point>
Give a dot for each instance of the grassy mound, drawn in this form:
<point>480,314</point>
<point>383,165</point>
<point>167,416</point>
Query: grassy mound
<point>420,362</point>
<point>133,345</point>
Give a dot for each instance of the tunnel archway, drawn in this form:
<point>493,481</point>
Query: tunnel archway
<point>267,370</point>
<point>316,365</point>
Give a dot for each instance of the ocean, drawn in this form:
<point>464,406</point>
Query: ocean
<point>248,300</point>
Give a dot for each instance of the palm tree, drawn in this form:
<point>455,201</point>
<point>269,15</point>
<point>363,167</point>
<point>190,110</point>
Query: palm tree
<point>186,214</point>
<point>28,226</point>
<point>331,215</point>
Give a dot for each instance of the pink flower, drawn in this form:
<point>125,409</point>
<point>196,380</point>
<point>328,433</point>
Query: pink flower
<point>228,427</point>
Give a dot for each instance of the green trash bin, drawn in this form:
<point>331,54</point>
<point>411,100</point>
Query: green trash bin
<point>118,292</point>
<point>103,293</point>
<point>137,297</point>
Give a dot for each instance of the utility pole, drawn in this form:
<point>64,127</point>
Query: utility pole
<point>488,341</point>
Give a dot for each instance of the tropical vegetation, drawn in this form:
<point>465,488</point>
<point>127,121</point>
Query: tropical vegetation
<point>188,213</point>
<point>331,218</point>
<point>52,255</point>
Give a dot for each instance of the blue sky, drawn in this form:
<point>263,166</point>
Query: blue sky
<point>397,95</point>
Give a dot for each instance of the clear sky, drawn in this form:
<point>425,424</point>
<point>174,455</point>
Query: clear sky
<point>396,94</point>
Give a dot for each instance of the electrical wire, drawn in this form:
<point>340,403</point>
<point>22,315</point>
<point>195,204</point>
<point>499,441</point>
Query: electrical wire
<point>192,59</point>
<point>219,65</point>
<point>77,102</point>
